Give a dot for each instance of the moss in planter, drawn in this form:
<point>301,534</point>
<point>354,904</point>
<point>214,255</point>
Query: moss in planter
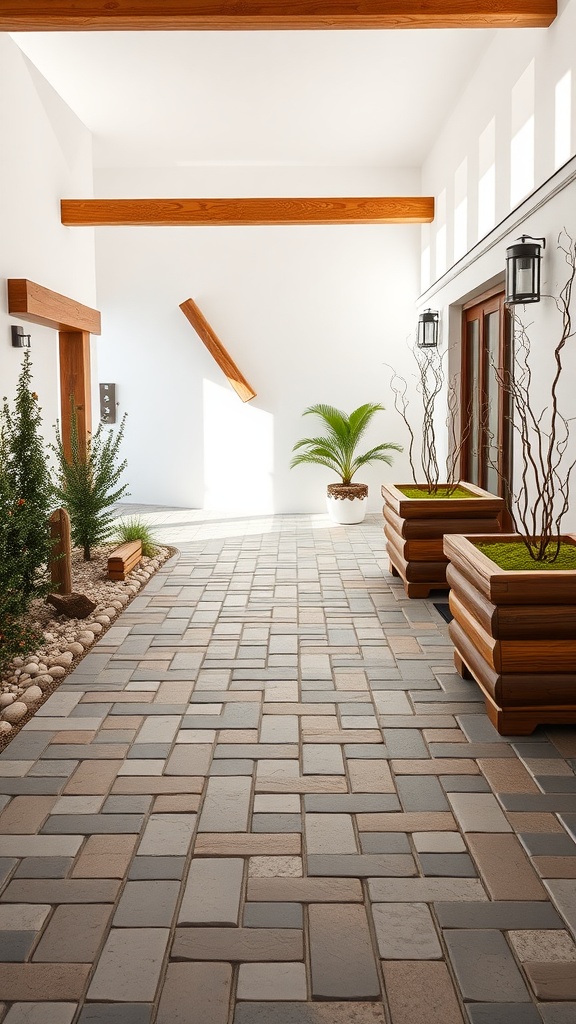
<point>514,556</point>
<point>443,492</point>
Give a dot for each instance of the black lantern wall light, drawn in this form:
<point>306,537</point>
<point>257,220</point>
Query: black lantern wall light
<point>523,270</point>
<point>427,336</point>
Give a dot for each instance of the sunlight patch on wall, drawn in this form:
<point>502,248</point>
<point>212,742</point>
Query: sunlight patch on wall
<point>563,120</point>
<point>238,453</point>
<point>522,143</point>
<point>461,210</point>
<point>487,179</point>
<point>441,254</point>
<point>425,267</point>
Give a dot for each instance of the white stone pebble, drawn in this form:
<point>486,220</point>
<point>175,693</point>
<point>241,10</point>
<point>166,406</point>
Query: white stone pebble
<point>56,671</point>
<point>15,712</point>
<point>96,627</point>
<point>5,727</point>
<point>64,660</point>
<point>31,668</point>
<point>74,648</point>
<point>102,620</point>
<point>32,695</point>
<point>6,699</point>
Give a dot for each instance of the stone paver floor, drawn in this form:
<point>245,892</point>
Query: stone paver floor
<point>265,797</point>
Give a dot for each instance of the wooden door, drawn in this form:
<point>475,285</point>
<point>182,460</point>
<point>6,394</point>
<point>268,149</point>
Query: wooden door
<point>486,425</point>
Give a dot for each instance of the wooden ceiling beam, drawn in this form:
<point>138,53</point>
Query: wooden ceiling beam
<point>226,212</point>
<point>214,15</point>
<point>30,301</point>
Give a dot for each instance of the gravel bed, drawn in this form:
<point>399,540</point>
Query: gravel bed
<point>27,682</point>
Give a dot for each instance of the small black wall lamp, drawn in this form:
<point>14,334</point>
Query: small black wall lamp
<point>19,339</point>
<point>427,336</point>
<point>523,261</point>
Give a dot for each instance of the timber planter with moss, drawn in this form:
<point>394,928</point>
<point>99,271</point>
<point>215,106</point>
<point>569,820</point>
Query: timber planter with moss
<point>514,630</point>
<point>416,521</point>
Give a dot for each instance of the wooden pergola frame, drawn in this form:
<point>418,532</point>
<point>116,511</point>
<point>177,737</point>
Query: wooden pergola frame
<point>74,323</point>
<point>214,15</point>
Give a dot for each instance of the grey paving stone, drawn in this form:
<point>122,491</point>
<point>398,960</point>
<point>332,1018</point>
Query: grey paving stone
<point>7,865</point>
<point>453,865</point>
<point>405,931</point>
<point>248,945</point>
<point>557,1013</point>
<point>129,966</point>
<point>534,748</point>
<point>472,749</point>
<point>330,833</point>
<point>156,867</point>
<point>563,892</point>
<point>85,752</point>
<point>15,946</point>
<point>276,823</point>
<point>33,786</point>
<point>361,865</point>
<point>556,784</point>
<point>115,1013</point>
<point>212,893</point>
<point>425,890</point>
<point>419,793</point>
<point>309,1013</point>
<point>484,966</point>
<point>478,812</point>
<point>151,750</point>
<point>90,824</point>
<point>505,915</point>
<point>126,805</point>
<point>189,759</point>
<point>147,906</point>
<point>405,743</point>
<point>322,759</point>
<point>151,708</point>
<point>503,1013</point>
<point>555,802</point>
<point>167,835</point>
<point>226,805</point>
<point>231,767</point>
<point>375,751</point>
<point>550,844</point>
<point>569,820</point>
<point>464,783</point>
<point>384,842</point>
<point>74,934</point>
<point>341,956</point>
<point>195,994</point>
<point>43,867</point>
<point>479,729</point>
<point>351,803</point>
<point>27,746</point>
<point>61,890</point>
<point>273,915</point>
<point>40,1013</point>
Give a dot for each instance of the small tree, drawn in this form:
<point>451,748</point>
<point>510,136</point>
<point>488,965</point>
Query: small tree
<point>88,483</point>
<point>27,478</point>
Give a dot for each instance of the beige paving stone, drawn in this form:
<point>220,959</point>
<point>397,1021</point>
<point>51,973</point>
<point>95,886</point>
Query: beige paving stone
<point>421,992</point>
<point>404,645</point>
<point>279,981</point>
<point>444,736</point>
<point>25,815</point>
<point>297,708</point>
<point>529,821</point>
<point>392,702</point>
<point>61,890</point>
<point>554,982</point>
<point>105,856</point>
<point>369,775</point>
<point>478,812</point>
<point>246,844</point>
<point>436,766</point>
<point>564,739</point>
<point>119,697</point>
<point>78,804</point>
<point>137,766</point>
<point>548,766</point>
<point>176,803</point>
<point>288,803</point>
<point>504,867</point>
<point>313,725</point>
<point>425,890</point>
<point>237,735</point>
<point>555,867</point>
<point>304,890</point>
<point>40,846</point>
<point>79,736</point>
<point>405,929</point>
<point>74,934</point>
<point>438,842</point>
<point>167,835</point>
<point>273,867</point>
<point>93,777</point>
<point>244,944</point>
<point>23,917</point>
<point>195,993</point>
<point>342,963</point>
<point>406,821</point>
<point>153,784</point>
<point>213,891</point>
<point>43,982</point>
<point>543,946</point>
<point>174,692</point>
<point>123,722</point>
<point>129,966</point>
<point>349,736</point>
<point>329,833</point>
<point>299,784</point>
<point>507,776</point>
<point>350,680</point>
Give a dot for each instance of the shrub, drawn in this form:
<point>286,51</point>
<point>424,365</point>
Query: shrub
<point>88,485</point>
<point>135,529</point>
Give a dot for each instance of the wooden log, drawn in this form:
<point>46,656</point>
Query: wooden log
<point>61,561</point>
<point>123,559</point>
<point>428,528</point>
<point>502,586</point>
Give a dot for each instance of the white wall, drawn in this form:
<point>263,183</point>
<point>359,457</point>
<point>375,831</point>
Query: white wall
<point>309,314</point>
<point>46,154</point>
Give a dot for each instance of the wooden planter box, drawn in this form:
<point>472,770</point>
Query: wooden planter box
<point>515,634</point>
<point>415,529</point>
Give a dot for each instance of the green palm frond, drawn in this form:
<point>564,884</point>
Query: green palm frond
<point>336,450</point>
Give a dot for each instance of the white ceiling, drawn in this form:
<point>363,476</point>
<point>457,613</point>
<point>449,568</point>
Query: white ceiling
<point>152,99</point>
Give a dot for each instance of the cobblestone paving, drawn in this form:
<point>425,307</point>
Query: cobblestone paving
<point>265,797</point>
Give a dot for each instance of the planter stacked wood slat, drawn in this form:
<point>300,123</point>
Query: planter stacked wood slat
<point>515,634</point>
<point>415,529</point>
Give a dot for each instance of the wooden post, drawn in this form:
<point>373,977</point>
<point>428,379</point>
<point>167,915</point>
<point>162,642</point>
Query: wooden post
<point>75,380</point>
<point>60,565</point>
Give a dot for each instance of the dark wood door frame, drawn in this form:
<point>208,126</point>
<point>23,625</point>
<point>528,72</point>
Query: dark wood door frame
<point>74,323</point>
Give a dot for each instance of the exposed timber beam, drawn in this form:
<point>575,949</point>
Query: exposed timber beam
<point>214,15</point>
<point>39,305</point>
<point>217,350</point>
<point>226,212</point>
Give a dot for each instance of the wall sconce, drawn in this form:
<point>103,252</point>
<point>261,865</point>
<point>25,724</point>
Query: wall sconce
<point>19,339</point>
<point>427,336</point>
<point>523,270</point>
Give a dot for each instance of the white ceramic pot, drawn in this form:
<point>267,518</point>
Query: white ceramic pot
<point>347,503</point>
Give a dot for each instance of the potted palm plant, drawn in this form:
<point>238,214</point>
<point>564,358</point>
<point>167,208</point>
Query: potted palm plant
<point>419,514</point>
<point>346,501</point>
<point>513,597</point>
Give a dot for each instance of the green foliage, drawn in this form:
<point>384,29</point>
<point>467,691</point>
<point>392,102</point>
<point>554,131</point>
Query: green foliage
<point>135,529</point>
<point>27,489</point>
<point>337,450</point>
<point>88,485</point>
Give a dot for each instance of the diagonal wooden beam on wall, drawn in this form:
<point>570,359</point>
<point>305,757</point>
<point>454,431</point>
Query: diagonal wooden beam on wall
<point>74,323</point>
<point>217,350</point>
<point>242,212</point>
<point>214,15</point>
